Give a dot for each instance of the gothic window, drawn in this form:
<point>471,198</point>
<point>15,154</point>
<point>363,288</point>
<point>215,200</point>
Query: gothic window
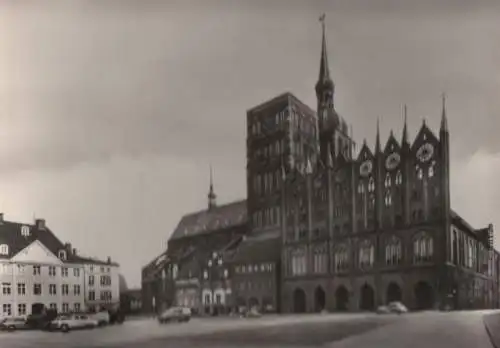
<point>366,255</point>
<point>361,187</point>
<point>388,198</point>
<point>371,184</point>
<point>399,178</point>
<point>423,248</point>
<point>371,202</point>
<point>298,262</point>
<point>393,252</point>
<point>419,171</point>
<point>387,181</point>
<point>431,170</point>
<point>4,249</point>
<point>341,259</point>
<point>320,261</point>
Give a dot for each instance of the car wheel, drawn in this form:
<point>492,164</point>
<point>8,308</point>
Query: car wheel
<point>64,328</point>
<point>11,328</point>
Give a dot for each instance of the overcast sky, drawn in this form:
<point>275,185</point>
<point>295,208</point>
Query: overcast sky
<point>111,111</point>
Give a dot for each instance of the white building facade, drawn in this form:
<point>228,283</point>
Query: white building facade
<point>39,272</point>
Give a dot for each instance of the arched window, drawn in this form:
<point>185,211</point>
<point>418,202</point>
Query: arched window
<point>388,198</point>
<point>388,180</point>
<point>423,248</point>
<point>366,255</point>
<point>62,254</point>
<point>419,171</point>
<point>393,252</point>
<point>399,178</point>
<point>361,187</point>
<point>299,262</point>
<point>371,184</point>
<point>341,258</point>
<point>320,261</point>
<point>431,170</point>
<point>4,249</point>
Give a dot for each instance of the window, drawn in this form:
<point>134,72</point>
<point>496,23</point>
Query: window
<point>65,289</point>
<point>106,295</point>
<point>77,307</point>
<point>420,173</point>
<point>21,289</point>
<point>218,299</point>
<point>21,309</point>
<point>366,255</point>
<point>64,272</point>
<point>91,295</point>
<point>65,308</point>
<point>341,259</point>
<point>52,271</point>
<point>320,261</point>
<point>423,248</point>
<point>399,178</point>
<point>388,180</point>
<point>105,280</point>
<point>76,289</point>
<point>4,249</point>
<point>62,255</point>
<point>7,309</point>
<point>207,299</point>
<point>76,272</point>
<point>371,184</point>
<point>299,263</point>
<point>25,231</point>
<point>20,269</point>
<point>37,289</point>
<point>431,171</point>
<point>91,268</point>
<point>91,280</point>
<point>388,198</point>
<point>6,288</point>
<point>393,252</point>
<point>53,306</point>
<point>52,289</point>
<point>36,270</point>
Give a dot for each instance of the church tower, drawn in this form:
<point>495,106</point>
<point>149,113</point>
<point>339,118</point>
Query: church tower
<point>212,197</point>
<point>332,129</point>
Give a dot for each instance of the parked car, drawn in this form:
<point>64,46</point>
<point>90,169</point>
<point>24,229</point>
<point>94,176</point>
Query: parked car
<point>252,313</point>
<point>14,323</point>
<point>392,307</point>
<point>41,321</point>
<point>178,314</point>
<point>67,322</point>
<point>102,317</point>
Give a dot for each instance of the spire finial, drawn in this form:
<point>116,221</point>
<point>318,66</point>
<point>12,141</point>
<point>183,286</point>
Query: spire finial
<point>405,127</point>
<point>211,194</point>
<point>324,72</point>
<point>377,140</point>
<point>444,118</point>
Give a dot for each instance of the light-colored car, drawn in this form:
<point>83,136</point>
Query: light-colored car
<point>102,318</point>
<point>392,307</point>
<point>14,323</point>
<point>253,313</point>
<point>67,322</point>
<point>178,314</point>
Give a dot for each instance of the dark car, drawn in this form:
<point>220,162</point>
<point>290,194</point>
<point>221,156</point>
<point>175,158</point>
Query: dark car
<point>41,321</point>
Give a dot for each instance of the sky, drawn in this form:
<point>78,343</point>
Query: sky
<point>111,111</point>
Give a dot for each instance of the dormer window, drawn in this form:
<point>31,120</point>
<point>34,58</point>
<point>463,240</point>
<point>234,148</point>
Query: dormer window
<point>4,249</point>
<point>62,254</point>
<point>25,231</point>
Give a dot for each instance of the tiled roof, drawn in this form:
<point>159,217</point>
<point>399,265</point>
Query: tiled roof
<point>221,217</point>
<point>19,235</point>
<point>260,248</point>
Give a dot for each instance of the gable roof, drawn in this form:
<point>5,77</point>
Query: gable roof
<point>260,248</point>
<point>11,234</point>
<point>205,221</point>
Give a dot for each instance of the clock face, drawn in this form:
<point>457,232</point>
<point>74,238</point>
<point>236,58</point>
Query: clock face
<point>392,161</point>
<point>425,152</point>
<point>366,168</point>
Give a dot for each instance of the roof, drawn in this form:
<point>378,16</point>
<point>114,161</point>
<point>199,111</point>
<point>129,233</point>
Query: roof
<point>11,233</point>
<point>286,96</point>
<point>260,248</point>
<point>220,217</point>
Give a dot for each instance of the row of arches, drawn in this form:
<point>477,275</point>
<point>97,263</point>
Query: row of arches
<point>423,294</point>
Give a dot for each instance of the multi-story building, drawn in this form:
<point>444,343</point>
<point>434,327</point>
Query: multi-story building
<point>360,231</point>
<point>38,271</point>
<point>182,275</point>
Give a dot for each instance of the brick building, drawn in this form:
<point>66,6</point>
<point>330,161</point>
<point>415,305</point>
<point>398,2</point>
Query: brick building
<point>361,231</point>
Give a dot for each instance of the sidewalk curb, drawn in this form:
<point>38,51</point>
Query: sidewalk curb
<point>489,330</point>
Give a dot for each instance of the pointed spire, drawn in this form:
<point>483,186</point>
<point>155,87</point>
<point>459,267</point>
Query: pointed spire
<point>391,134</point>
<point>405,127</point>
<point>329,159</point>
<point>309,168</point>
<point>211,194</point>
<point>444,118</point>
<point>377,139</point>
<point>324,71</point>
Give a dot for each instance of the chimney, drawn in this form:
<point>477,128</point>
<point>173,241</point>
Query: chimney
<point>74,251</point>
<point>109,259</point>
<point>67,246</point>
<point>40,224</point>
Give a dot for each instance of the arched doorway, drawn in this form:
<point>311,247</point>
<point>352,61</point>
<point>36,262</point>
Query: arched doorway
<point>341,298</point>
<point>394,293</point>
<point>424,296</point>
<point>299,301</point>
<point>319,299</point>
<point>253,303</point>
<point>367,298</point>
<point>37,308</point>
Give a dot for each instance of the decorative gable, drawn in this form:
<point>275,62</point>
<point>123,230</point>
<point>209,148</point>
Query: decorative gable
<point>365,153</point>
<point>36,252</point>
<point>392,145</point>
<point>425,135</point>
